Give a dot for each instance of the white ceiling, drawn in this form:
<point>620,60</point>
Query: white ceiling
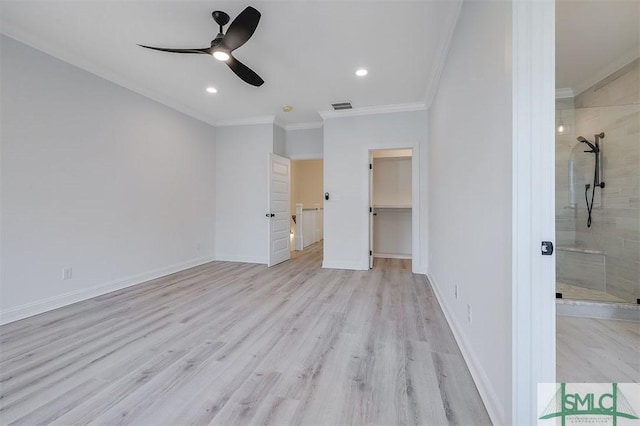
<point>594,39</point>
<point>306,51</point>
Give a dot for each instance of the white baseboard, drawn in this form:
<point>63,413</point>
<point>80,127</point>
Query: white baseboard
<point>392,256</point>
<point>356,266</point>
<point>34,308</point>
<point>241,259</point>
<point>487,392</point>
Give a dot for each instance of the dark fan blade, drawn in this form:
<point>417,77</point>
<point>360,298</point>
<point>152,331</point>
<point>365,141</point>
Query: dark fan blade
<point>244,72</point>
<point>241,29</point>
<point>162,49</point>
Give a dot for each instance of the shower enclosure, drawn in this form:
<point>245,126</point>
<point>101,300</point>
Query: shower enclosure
<point>597,189</point>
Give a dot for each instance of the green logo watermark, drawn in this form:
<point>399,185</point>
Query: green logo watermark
<point>590,403</point>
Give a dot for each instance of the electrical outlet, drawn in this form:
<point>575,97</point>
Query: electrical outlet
<point>198,246</point>
<point>66,273</point>
<point>455,290</point>
<point>469,313</point>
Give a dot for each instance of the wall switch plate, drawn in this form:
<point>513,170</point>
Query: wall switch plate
<point>469,313</point>
<point>455,290</point>
<point>66,273</point>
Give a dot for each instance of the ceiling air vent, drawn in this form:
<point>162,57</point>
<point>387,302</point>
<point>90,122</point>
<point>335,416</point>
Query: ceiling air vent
<point>341,105</point>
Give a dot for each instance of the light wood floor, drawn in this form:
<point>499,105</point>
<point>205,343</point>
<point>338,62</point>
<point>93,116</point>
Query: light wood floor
<point>597,350</point>
<point>230,343</point>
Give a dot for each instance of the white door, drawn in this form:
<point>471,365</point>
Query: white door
<point>278,215</point>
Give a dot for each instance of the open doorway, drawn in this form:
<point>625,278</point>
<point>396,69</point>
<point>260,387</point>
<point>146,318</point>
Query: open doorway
<point>597,225</point>
<point>307,204</point>
<point>390,204</point>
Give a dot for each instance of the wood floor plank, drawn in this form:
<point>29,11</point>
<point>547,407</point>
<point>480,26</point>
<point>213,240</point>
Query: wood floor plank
<point>424,402</point>
<point>275,410</point>
<point>597,350</point>
<point>229,343</point>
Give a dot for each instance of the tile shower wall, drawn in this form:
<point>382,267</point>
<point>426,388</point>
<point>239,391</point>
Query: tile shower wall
<point>611,106</point>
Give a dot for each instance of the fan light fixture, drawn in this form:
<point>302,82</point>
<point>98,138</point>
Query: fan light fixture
<point>221,47</point>
<point>362,72</point>
<point>221,56</point>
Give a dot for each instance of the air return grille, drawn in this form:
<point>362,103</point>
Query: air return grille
<point>341,105</point>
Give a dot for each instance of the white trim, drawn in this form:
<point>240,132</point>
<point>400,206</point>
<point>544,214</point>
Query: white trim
<point>266,119</point>
<point>381,109</point>
<point>241,259</point>
<point>533,339</point>
<point>564,93</point>
<point>606,71</point>
<point>441,57</point>
<point>489,396</point>
<point>416,253</point>
<point>355,266</point>
<point>304,126</point>
<point>55,302</point>
<point>392,256</point>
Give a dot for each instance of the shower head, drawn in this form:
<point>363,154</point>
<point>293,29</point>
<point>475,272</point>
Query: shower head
<point>594,148</point>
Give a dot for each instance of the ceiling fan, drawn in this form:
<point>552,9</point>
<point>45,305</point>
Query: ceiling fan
<point>240,30</point>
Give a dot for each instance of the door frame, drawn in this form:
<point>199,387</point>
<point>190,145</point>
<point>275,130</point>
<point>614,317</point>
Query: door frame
<point>418,254</point>
<point>533,334</point>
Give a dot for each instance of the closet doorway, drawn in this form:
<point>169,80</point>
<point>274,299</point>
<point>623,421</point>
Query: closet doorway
<point>307,203</point>
<point>390,204</point>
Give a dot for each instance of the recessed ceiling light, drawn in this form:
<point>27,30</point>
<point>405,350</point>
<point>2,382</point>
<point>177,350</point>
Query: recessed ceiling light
<point>287,108</point>
<point>362,72</point>
<point>212,90</point>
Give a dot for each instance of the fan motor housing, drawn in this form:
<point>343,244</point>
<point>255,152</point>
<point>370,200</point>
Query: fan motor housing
<point>220,17</point>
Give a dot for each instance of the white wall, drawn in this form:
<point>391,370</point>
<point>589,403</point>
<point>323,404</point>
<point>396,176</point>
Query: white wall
<point>97,178</point>
<point>304,144</point>
<point>470,178</point>
<point>279,141</point>
<point>392,181</point>
<point>392,177</point>
<point>347,141</point>
<point>242,156</point>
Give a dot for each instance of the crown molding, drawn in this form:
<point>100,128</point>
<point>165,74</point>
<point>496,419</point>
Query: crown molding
<point>564,93</point>
<point>267,119</point>
<point>303,126</point>
<point>278,122</point>
<point>382,109</point>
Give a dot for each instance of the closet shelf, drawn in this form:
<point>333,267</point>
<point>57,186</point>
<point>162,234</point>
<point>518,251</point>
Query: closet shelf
<point>392,206</point>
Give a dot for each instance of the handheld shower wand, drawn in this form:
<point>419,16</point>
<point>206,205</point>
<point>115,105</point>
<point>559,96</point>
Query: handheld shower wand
<point>595,150</point>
